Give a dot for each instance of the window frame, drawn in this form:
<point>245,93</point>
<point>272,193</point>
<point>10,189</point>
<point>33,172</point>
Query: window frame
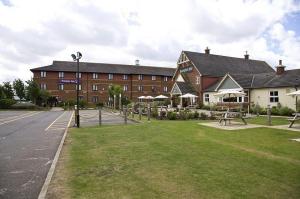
<point>153,77</point>
<point>110,76</point>
<point>61,74</point>
<point>61,87</point>
<point>43,73</point>
<point>125,77</point>
<point>95,76</point>
<point>140,77</point>
<point>273,96</point>
<point>165,78</point>
<point>125,88</point>
<point>165,89</point>
<point>206,97</point>
<point>94,87</point>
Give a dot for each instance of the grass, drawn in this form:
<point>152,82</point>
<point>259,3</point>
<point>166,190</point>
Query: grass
<point>182,159</point>
<point>263,120</point>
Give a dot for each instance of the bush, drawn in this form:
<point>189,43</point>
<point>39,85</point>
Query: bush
<point>286,111</point>
<point>274,110</point>
<point>154,112</point>
<point>171,115</point>
<point>196,115</point>
<point>25,105</point>
<point>183,115</point>
<point>82,104</point>
<point>100,104</point>
<point>205,107</point>
<point>189,115</point>
<point>6,103</point>
<point>203,116</point>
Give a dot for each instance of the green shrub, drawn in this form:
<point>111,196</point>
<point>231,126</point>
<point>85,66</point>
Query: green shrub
<point>274,110</point>
<point>100,104</point>
<point>203,116</point>
<point>25,105</point>
<point>196,115</point>
<point>286,111</point>
<point>183,114</point>
<point>205,107</point>
<point>82,103</point>
<point>189,115</point>
<point>171,115</point>
<point>6,103</point>
<point>154,112</point>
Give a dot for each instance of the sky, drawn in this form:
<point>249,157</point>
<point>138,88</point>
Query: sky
<point>33,33</point>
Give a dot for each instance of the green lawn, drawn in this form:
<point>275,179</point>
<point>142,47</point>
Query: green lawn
<point>263,120</point>
<point>182,159</point>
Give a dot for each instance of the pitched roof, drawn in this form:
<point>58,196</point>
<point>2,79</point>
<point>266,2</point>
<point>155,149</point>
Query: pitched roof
<point>289,78</point>
<point>217,65</point>
<point>68,66</point>
<point>185,87</point>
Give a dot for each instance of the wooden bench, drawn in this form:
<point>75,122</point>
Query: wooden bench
<point>293,120</point>
<point>225,119</point>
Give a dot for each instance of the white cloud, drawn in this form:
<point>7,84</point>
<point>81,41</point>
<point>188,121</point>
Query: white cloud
<point>34,33</point>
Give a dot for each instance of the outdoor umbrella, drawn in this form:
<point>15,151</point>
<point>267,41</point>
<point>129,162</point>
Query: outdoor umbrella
<point>161,97</point>
<point>188,95</point>
<point>228,93</point>
<point>295,93</point>
<point>141,97</point>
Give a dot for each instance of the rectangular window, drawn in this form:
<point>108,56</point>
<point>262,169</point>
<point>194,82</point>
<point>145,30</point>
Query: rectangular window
<point>110,76</point>
<point>153,77</point>
<point>165,89</point>
<point>153,89</point>
<point>206,97</point>
<point>79,87</point>
<point>125,77</point>
<point>125,88</point>
<point>274,96</point>
<point>95,87</point>
<point>95,99</point>
<point>60,87</point>
<point>43,73</point>
<point>95,75</point>
<point>78,75</point>
<point>43,86</point>
<point>140,88</point>
<point>197,80</point>
<point>61,75</point>
<point>165,79</point>
<point>140,77</point>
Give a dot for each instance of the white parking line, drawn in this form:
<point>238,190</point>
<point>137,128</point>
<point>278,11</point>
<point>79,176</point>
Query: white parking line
<point>6,122</point>
<point>55,121</point>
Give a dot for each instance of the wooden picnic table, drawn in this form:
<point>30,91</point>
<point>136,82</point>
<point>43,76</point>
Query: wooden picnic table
<point>294,119</point>
<point>229,116</point>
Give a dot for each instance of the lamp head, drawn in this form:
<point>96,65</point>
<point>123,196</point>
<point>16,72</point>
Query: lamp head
<point>79,55</point>
<point>74,57</point>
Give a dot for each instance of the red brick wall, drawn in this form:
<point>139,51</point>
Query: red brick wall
<point>69,92</point>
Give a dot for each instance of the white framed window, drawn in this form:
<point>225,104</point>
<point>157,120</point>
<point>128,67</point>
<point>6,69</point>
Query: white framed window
<point>95,99</point>
<point>197,80</point>
<point>125,77</point>
<point>165,79</point>
<point>60,87</point>
<point>43,86</point>
<point>43,73</point>
<point>153,89</point>
<point>140,88</point>
<point>110,76</point>
<point>61,74</point>
<point>78,75</point>
<point>125,88</point>
<point>94,87</point>
<point>95,75</point>
<point>79,87</point>
<point>140,77</point>
<point>274,96</point>
<point>206,97</point>
<point>153,77</point>
<point>165,89</point>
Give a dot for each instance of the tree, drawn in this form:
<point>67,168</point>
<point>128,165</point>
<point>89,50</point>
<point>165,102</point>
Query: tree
<point>32,91</point>
<point>2,94</point>
<point>19,88</point>
<point>115,90</point>
<point>8,90</point>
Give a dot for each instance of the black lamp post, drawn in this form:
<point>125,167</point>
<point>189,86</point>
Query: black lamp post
<point>76,58</point>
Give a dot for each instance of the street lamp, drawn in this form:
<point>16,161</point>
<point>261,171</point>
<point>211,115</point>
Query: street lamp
<point>76,58</point>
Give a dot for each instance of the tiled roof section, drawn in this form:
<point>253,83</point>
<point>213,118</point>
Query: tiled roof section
<point>107,68</point>
<point>289,78</point>
<point>185,87</point>
<point>218,66</point>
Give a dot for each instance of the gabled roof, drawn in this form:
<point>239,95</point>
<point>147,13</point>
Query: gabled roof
<point>185,87</point>
<point>289,78</point>
<point>217,65</point>
<point>68,66</point>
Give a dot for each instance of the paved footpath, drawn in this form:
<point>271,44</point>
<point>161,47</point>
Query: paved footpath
<point>28,143</point>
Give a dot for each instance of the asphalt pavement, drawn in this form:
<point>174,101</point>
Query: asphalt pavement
<point>28,143</point>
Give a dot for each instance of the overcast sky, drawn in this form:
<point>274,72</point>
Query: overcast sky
<point>33,33</point>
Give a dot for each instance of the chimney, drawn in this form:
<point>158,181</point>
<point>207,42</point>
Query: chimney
<point>207,51</point>
<point>280,68</point>
<point>246,55</point>
<point>137,62</point>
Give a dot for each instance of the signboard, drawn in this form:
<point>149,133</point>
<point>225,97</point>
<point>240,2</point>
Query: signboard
<point>187,69</point>
<point>68,81</point>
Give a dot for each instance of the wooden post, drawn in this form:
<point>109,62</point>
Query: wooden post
<point>120,102</point>
<point>125,114</point>
<point>132,110</point>
<point>100,116</point>
<point>269,115</point>
<point>140,112</point>
<point>149,111</point>
<point>115,102</point>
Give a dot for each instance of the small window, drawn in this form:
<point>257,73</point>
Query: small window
<point>140,88</point>
<point>43,86</point>
<point>140,77</point>
<point>61,74</point>
<point>95,99</point>
<point>60,87</point>
<point>153,89</point>
<point>95,75</point>
<point>78,75</point>
<point>153,77</point>
<point>197,80</point>
<point>165,89</point>
<point>274,96</point>
<point>125,77</point>
<point>206,97</point>
<point>165,79</point>
<point>79,87</point>
<point>95,87</point>
<point>110,76</point>
<point>43,73</point>
<point>125,88</point>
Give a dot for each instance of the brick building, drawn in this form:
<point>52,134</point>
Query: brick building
<point>59,79</point>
